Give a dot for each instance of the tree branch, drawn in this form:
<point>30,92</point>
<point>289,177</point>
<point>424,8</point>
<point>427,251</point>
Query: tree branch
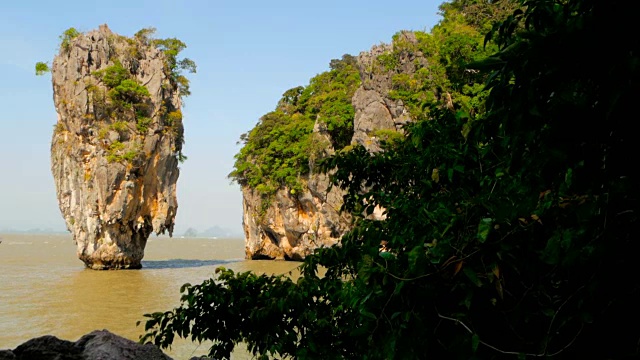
<point>543,354</point>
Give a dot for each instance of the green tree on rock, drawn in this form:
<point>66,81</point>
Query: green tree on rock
<point>276,152</point>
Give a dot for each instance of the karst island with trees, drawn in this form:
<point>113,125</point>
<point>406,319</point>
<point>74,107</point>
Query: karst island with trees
<point>118,140</point>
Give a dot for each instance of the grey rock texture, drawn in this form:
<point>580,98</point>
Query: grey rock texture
<point>375,110</point>
<point>97,345</point>
<point>115,180</point>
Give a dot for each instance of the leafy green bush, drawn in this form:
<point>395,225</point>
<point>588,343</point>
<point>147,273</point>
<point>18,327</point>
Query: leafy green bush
<point>145,35</point>
<point>129,91</point>
<point>120,126</point>
<point>119,152</point>
<point>114,151</point>
<point>66,38</point>
<point>42,68</point>
<point>173,118</point>
<point>103,132</point>
<point>130,155</point>
<point>124,92</point>
<point>142,124</point>
<point>113,75</point>
<point>172,48</point>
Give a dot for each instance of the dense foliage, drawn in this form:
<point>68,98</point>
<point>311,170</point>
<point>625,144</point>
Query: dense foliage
<point>508,234</point>
<point>278,150</point>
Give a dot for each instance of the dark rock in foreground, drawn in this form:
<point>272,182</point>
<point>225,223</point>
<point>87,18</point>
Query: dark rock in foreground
<point>97,345</point>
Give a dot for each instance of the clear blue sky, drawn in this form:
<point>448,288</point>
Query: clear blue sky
<point>248,53</point>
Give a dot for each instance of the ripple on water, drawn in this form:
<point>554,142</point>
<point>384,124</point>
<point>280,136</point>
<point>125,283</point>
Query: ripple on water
<point>45,289</point>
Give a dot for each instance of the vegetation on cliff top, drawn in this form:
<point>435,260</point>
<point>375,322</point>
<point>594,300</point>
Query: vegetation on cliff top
<point>171,47</point>
<point>118,98</point>
<point>507,234</point>
<point>277,151</point>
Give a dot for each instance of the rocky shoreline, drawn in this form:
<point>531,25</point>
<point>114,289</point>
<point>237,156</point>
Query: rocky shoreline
<point>97,345</point>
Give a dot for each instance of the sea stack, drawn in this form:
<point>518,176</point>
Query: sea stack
<point>117,143</point>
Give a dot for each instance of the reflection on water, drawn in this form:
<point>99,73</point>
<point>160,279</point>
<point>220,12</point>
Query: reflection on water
<point>182,263</point>
<point>45,289</point>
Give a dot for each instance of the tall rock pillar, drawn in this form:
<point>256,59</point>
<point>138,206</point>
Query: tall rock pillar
<point>116,145</point>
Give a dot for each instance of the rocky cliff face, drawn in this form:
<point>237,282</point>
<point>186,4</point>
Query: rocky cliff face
<point>375,109</point>
<point>292,225</point>
<point>115,147</point>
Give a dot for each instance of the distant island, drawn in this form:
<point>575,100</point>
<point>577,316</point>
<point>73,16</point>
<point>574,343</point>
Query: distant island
<point>38,230</point>
<point>190,232</point>
<point>212,232</point>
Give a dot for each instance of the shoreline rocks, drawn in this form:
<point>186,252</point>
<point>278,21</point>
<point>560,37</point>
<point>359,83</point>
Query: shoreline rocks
<point>97,345</point>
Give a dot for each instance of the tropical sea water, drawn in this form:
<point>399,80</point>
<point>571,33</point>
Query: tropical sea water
<point>46,290</point>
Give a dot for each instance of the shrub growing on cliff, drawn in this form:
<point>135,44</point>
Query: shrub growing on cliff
<point>66,38</point>
<point>130,92</point>
<point>276,152</point>
<point>113,75</point>
<point>42,68</point>
<point>507,235</point>
<point>171,47</point>
<point>142,124</point>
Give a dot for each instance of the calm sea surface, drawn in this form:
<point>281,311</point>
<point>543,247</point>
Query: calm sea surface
<point>45,289</point>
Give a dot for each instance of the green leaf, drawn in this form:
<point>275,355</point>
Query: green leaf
<point>475,341</point>
<point>466,129</point>
<point>184,287</point>
<point>462,115</point>
<point>548,312</point>
<point>399,287</point>
<point>387,255</point>
<point>472,276</point>
<point>484,228</point>
<point>367,314</point>
<point>568,177</point>
<point>415,255</point>
<point>489,63</point>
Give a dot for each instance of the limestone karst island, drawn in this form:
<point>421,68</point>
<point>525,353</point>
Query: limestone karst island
<point>117,143</point>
